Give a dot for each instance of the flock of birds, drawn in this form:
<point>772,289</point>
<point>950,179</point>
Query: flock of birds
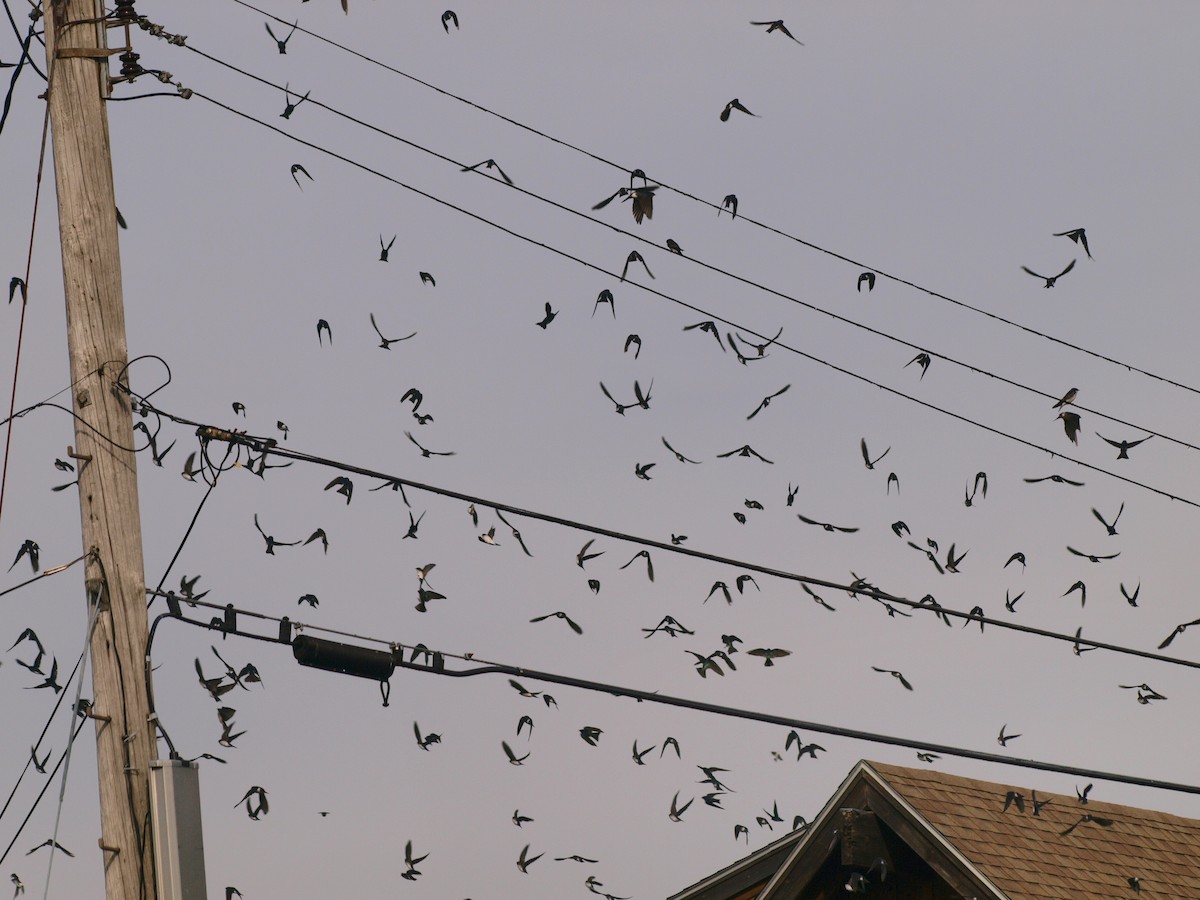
<point>712,789</point>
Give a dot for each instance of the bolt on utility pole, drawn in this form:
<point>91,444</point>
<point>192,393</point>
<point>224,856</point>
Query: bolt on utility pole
<point>77,60</point>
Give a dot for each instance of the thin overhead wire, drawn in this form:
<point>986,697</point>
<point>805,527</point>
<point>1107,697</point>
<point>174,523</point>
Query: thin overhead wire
<point>858,589</point>
<point>738,712</point>
<point>741,279</point>
<point>770,228</point>
<point>686,305</point>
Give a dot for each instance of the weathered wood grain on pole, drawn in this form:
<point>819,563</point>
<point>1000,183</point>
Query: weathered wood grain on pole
<point>108,498</point>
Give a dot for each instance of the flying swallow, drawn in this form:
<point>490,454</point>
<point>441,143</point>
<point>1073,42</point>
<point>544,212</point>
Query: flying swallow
<point>489,164</point>
<point>732,105</point>
<point>559,615</point>
<point>870,463</point>
<point>605,296</point>
<point>826,525</point>
<point>547,319</point>
<point>386,343</point>
<point>1131,599</point>
<point>447,17</point>
<point>282,45</point>
<point>1123,447</point>
<point>649,563</point>
<point>1059,479</point>
<point>524,861</point>
<point>31,549</point>
<point>1050,279</point>
<point>676,813</point>
<point>747,451</point>
<point>897,675</point>
<point>1003,739</point>
<point>769,654</point>
<point>730,203</point>
<point>777,25</point>
<point>1079,236</point>
<point>1070,425</point>
<point>289,106</point>
<point>869,278</point>
<point>923,361</point>
<point>296,167</point>
<point>428,453</point>
<point>766,401</point>
<point>709,326</point>
<point>634,256</point>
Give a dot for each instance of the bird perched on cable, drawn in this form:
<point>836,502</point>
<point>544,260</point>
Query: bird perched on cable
<point>1067,399</point>
<point>1050,279</point>
<point>732,105</point>
<point>777,25</point>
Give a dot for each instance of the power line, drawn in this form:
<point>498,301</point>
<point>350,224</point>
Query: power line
<point>777,231</point>
<point>705,265</point>
<point>437,667</point>
<point>590,265</point>
<point>264,445</point>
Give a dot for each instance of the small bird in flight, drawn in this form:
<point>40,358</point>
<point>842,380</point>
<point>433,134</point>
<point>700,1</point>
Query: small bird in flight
<point>747,451</point>
<point>766,401</point>
<point>427,453</point>
<point>869,278</point>
<point>777,25</point>
<point>447,17</point>
<point>922,360</point>
<point>282,45</point>
<point>897,675</point>
<point>386,343</point>
<point>634,256</point>
<point>1070,422</point>
<point>1050,279</point>
<point>730,203</point>
<point>384,249</point>
<point>1003,739</point>
<point>289,106</point>
<point>489,164</point>
<point>296,167</point>
<point>1079,236</point>
<point>323,326</point>
<point>732,105</point>
<point>1123,447</point>
<point>867,456</point>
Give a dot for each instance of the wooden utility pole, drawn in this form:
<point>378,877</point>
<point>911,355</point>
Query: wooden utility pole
<point>76,55</point>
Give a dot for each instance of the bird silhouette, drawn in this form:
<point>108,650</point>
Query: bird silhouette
<point>518,819</point>
<point>1070,422</point>
<point>428,279</point>
<point>583,556</point>
<point>633,340</point>
<point>524,861</point>
<point>1050,279</point>
<point>897,675</point>
<point>923,361</point>
<point>709,326</point>
<point>514,760</point>
<point>1067,399</point>
<point>559,615</point>
<point>1016,557</point>
<point>428,453</point>
<point>605,296</point>
<point>1085,818</point>
<point>677,811</point>
<point>732,105</point>
<point>1058,479</point>
<point>323,325</point>
<point>385,249</point>
<point>29,548</point>
<point>53,845</point>
<point>548,318</point>
<point>386,343</point>
<point>1079,236</point>
<point>282,45</point>
<point>296,167</point>
<point>489,164</point>
<point>827,526</point>
<point>447,17</point>
<point>1092,556</point>
<point>256,802</point>
<point>870,463</point>
<point>1082,588</point>
<point>424,742</point>
<point>766,401</point>
<point>590,734</point>
<point>769,654</point>
<point>980,487</point>
<point>1123,447</point>
<point>730,203</point>
<point>270,540</point>
<point>777,25</point>
<point>747,451</point>
<point>634,256</point>
<point>1179,629</point>
<point>649,563</point>
<point>1131,599</point>
<point>869,279</point>
<point>674,247</point>
<point>1003,740</point>
<point>289,106</point>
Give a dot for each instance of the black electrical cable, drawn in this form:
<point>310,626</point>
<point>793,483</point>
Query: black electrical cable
<point>711,267</point>
<point>625,170</point>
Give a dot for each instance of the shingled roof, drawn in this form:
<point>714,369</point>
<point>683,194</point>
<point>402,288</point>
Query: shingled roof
<point>960,829</point>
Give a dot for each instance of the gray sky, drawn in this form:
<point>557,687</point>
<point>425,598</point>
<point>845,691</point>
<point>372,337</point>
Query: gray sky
<point>942,143</point>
